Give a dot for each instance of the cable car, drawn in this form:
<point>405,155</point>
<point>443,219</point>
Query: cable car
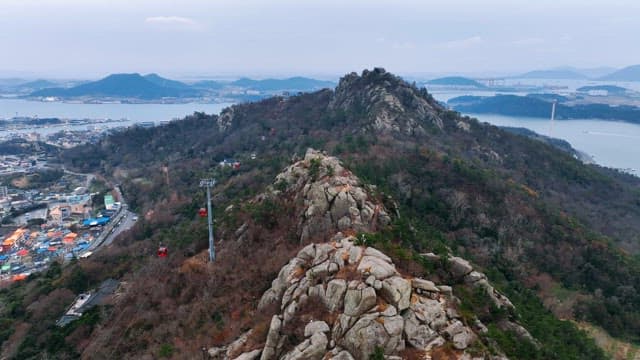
<point>163,251</point>
<point>202,212</point>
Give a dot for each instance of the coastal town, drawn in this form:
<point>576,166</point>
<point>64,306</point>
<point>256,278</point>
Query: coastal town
<point>64,133</point>
<point>50,214</point>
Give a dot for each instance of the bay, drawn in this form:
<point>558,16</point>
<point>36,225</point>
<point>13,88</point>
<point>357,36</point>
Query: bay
<point>610,143</point>
<point>130,113</point>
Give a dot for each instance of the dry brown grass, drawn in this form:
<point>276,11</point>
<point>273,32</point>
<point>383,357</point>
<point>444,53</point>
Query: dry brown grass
<point>382,305</point>
<point>348,273</point>
<point>413,354</point>
<point>349,232</point>
<point>444,352</point>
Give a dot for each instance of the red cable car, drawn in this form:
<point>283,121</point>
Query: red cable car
<point>163,251</point>
<point>202,212</point>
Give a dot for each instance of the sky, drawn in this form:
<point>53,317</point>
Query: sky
<point>323,38</point>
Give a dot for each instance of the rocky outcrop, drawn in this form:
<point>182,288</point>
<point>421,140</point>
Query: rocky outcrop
<point>360,304</point>
<point>460,271</point>
<point>332,199</point>
<point>387,103</point>
<point>225,120</point>
<point>339,300</point>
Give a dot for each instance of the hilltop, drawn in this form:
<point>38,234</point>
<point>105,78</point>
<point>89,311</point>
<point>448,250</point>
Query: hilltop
<point>456,81</point>
<point>122,86</point>
<point>535,105</point>
<point>629,73</point>
<point>154,87</point>
<point>420,184</point>
<point>293,83</point>
<point>552,74</point>
<point>610,89</point>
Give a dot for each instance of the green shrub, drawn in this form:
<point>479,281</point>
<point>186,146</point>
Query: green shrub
<point>166,350</point>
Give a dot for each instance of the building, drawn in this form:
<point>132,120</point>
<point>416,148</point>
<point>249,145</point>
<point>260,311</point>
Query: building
<point>101,221</point>
<point>58,213</point>
<point>108,202</point>
<point>15,238</point>
<point>79,204</point>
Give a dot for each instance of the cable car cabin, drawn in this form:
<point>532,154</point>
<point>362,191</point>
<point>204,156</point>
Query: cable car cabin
<point>202,212</point>
<point>163,251</point>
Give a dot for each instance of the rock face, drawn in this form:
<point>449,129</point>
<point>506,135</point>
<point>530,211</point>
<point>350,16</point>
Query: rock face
<point>351,317</point>
<point>461,271</point>
<point>332,198</point>
<point>388,104</point>
<point>339,300</point>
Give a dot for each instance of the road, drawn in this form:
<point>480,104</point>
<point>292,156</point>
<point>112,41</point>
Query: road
<point>123,221</point>
<point>89,177</point>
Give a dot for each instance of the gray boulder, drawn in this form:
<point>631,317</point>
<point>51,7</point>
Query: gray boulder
<point>314,327</point>
<point>423,284</point>
<point>459,267</point>
<point>372,265</point>
<point>334,295</point>
<point>420,336</point>
<point>357,302</point>
<point>369,333</point>
<point>313,348</point>
<point>251,355</point>
<point>397,291</point>
<point>273,337</point>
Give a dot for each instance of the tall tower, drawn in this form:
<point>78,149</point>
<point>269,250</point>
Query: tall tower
<point>553,115</point>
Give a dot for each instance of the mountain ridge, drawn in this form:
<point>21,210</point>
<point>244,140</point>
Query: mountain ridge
<point>131,85</point>
<point>456,81</point>
<point>528,216</point>
<point>552,74</point>
<point>629,73</point>
<point>153,86</point>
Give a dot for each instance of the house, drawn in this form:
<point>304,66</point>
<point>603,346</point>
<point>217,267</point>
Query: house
<point>58,213</point>
<point>79,204</point>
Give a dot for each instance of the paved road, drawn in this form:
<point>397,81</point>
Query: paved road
<point>123,221</point>
<point>89,177</point>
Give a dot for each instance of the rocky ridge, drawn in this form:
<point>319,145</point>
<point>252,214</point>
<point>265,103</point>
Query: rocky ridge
<point>389,103</point>
<point>341,299</point>
<point>328,198</point>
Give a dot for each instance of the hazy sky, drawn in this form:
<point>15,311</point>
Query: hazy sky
<point>91,38</point>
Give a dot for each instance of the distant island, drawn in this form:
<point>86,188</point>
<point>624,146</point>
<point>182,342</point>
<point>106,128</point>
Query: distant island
<point>535,106</point>
<point>293,83</point>
<point>629,73</point>
<point>552,74</point>
<point>123,86</point>
<point>457,81</point>
<point>153,87</point>
<point>610,89</point>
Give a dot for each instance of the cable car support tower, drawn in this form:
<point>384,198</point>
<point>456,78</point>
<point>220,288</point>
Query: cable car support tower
<point>209,183</point>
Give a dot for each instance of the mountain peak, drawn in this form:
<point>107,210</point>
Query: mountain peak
<point>326,198</point>
<point>386,103</point>
<point>342,298</point>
